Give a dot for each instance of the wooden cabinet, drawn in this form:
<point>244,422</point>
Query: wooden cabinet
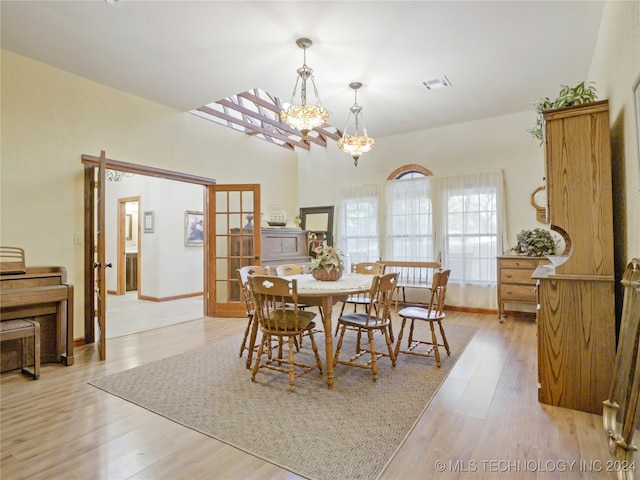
<point>515,284</point>
<point>131,270</point>
<point>576,305</point>
<point>280,246</point>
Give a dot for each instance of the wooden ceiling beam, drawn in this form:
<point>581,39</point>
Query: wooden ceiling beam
<point>288,142</point>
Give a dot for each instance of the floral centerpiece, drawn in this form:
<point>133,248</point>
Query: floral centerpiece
<point>327,265</point>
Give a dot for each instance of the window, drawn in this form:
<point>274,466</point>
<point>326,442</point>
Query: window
<point>409,221</point>
<point>357,216</point>
<point>458,218</point>
<point>471,233</point>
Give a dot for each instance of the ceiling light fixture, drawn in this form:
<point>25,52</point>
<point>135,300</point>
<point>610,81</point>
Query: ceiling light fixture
<point>116,175</point>
<point>358,143</point>
<point>302,116</point>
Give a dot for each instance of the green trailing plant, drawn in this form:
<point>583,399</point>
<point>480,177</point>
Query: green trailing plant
<point>578,95</point>
<point>535,243</point>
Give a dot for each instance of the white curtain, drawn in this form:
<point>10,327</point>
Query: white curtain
<point>358,218</point>
<point>471,231</point>
<point>409,221</point>
<point>460,219</point>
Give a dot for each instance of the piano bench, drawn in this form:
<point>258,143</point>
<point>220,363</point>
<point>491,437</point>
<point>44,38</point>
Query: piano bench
<point>24,329</point>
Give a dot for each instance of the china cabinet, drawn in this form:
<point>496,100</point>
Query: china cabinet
<point>575,294</point>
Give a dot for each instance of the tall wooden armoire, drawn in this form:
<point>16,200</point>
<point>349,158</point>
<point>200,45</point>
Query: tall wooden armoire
<point>575,296</point>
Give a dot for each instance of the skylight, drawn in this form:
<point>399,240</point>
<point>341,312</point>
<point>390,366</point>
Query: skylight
<point>257,113</point>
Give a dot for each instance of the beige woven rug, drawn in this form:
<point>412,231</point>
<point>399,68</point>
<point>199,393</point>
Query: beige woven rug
<point>349,432</point>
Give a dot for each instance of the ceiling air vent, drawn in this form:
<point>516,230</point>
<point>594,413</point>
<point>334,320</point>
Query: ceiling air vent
<point>439,82</point>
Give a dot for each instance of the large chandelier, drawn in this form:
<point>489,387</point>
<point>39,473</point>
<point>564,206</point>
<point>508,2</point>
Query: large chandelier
<point>358,143</point>
<point>301,116</point>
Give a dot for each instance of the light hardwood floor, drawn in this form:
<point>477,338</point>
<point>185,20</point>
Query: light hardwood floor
<point>485,421</point>
<point>126,314</point>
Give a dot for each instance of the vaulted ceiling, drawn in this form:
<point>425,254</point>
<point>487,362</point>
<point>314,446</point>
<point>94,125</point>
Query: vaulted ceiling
<point>241,55</point>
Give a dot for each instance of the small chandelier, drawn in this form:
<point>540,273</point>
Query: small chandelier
<point>116,175</point>
<point>302,116</point>
<point>358,143</point>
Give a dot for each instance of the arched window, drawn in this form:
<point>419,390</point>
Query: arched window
<point>412,170</point>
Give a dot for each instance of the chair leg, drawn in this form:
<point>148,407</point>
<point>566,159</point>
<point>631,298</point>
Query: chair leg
<point>444,338</point>
<point>292,372</point>
<point>410,339</point>
<point>246,335</point>
<point>256,365</point>
<point>372,348</point>
<point>315,351</point>
<point>434,339</point>
<point>389,341</point>
<point>397,351</point>
<point>339,346</point>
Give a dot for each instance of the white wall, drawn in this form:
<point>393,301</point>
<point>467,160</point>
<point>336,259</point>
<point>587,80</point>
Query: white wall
<point>485,145</point>
<point>50,118</point>
<point>168,267</point>
<point>614,68</point>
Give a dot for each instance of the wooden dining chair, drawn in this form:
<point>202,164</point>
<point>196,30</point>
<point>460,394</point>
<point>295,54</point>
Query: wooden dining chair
<point>377,317</point>
<point>434,313</point>
<point>245,290</point>
<point>279,316</point>
<point>288,269</point>
<point>363,268</point>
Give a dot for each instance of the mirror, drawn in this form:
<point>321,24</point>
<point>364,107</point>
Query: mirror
<point>318,221</point>
<point>539,202</point>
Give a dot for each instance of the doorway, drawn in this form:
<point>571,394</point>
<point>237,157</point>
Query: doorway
<point>94,168</point>
<point>129,246</point>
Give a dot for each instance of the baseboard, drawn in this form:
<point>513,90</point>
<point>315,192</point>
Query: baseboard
<point>168,299</point>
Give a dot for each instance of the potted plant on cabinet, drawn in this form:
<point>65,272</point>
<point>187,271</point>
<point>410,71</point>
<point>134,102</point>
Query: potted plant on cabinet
<point>568,96</point>
<point>535,243</point>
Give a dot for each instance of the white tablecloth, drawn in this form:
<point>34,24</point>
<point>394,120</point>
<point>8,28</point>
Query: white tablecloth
<point>348,282</point>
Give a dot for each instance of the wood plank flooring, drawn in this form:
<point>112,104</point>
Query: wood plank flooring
<point>485,422</point>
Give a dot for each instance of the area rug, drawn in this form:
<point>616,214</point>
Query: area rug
<point>350,432</point>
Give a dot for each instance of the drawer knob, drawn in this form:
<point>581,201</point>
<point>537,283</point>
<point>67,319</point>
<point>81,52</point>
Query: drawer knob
<point>508,275</point>
<point>509,292</point>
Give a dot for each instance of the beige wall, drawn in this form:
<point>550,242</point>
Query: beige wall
<point>615,67</point>
<point>50,118</point>
<point>481,146</point>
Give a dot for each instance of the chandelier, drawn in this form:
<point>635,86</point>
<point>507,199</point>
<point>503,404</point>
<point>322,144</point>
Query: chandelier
<point>301,116</point>
<point>116,175</point>
<point>358,143</point>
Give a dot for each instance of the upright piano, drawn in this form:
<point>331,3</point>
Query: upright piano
<point>44,295</point>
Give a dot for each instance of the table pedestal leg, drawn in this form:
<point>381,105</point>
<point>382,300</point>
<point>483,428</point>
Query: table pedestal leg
<point>327,305</point>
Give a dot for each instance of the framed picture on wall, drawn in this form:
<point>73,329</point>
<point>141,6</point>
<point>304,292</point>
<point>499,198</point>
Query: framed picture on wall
<point>193,228</point>
<point>149,221</point>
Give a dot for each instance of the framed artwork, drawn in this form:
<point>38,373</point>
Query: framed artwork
<point>149,221</point>
<point>193,228</point>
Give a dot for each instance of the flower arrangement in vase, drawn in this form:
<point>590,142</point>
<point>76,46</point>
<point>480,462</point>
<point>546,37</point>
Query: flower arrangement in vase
<point>327,265</point>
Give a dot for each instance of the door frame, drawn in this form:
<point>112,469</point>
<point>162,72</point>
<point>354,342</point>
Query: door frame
<point>121,263</point>
<point>89,228</point>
